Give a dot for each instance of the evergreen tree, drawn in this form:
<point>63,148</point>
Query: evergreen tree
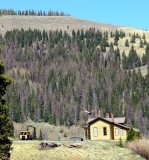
<point>147,53</point>
<point>144,60</point>
<point>144,43</point>
<point>147,49</point>
<point>40,136</point>
<point>137,35</point>
<point>132,39</point>
<point>117,56</point>
<point>124,61</point>
<point>126,43</point>
<point>116,38</point>
<point>143,36</point>
<point>111,34</point>
<point>5,122</point>
<point>141,43</point>
<point>115,43</point>
<point>133,58</point>
<point>111,49</point>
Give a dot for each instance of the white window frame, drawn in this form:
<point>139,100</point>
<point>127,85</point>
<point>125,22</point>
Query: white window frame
<point>95,131</point>
<point>116,132</point>
<point>121,131</point>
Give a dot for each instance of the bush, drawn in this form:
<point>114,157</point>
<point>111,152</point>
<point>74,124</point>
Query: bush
<point>132,135</point>
<point>139,147</point>
<point>61,130</point>
<point>120,143</point>
<point>65,135</point>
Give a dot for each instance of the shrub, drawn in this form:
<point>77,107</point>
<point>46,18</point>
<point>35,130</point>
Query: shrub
<point>139,147</point>
<point>65,135</point>
<point>120,143</point>
<point>61,130</point>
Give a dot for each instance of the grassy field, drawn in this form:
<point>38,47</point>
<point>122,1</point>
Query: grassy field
<point>49,132</point>
<point>88,151</point>
<point>65,23</point>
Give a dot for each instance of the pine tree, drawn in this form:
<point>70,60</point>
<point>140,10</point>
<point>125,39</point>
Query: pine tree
<point>5,122</point>
<point>116,38</point>
<point>144,60</point>
<point>124,61</point>
<point>126,43</point>
<point>147,53</point>
<point>144,43</point>
<point>40,136</point>
<point>132,39</point>
<point>111,49</point>
<point>132,135</point>
<point>141,43</point>
<point>143,36</point>
<point>111,35</point>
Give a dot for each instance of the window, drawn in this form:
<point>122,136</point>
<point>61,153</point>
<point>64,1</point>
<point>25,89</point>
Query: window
<point>116,131</point>
<point>95,130</point>
<point>121,132</point>
<point>104,131</point>
<point>21,133</point>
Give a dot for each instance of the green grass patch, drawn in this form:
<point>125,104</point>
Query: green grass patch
<point>89,151</point>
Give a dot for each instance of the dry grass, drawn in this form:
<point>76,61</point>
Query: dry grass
<point>50,23</point>
<point>140,147</point>
<point>88,151</point>
<point>143,70</point>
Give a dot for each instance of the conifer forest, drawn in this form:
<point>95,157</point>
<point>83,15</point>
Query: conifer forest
<point>56,76</point>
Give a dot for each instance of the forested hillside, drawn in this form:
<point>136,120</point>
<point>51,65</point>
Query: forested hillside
<point>56,76</point>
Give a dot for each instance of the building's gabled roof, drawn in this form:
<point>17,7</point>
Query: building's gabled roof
<point>119,120</point>
<point>90,119</point>
<point>108,121</point>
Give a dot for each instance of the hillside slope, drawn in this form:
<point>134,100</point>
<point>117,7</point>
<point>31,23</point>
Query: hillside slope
<point>56,75</point>
<point>67,23</point>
